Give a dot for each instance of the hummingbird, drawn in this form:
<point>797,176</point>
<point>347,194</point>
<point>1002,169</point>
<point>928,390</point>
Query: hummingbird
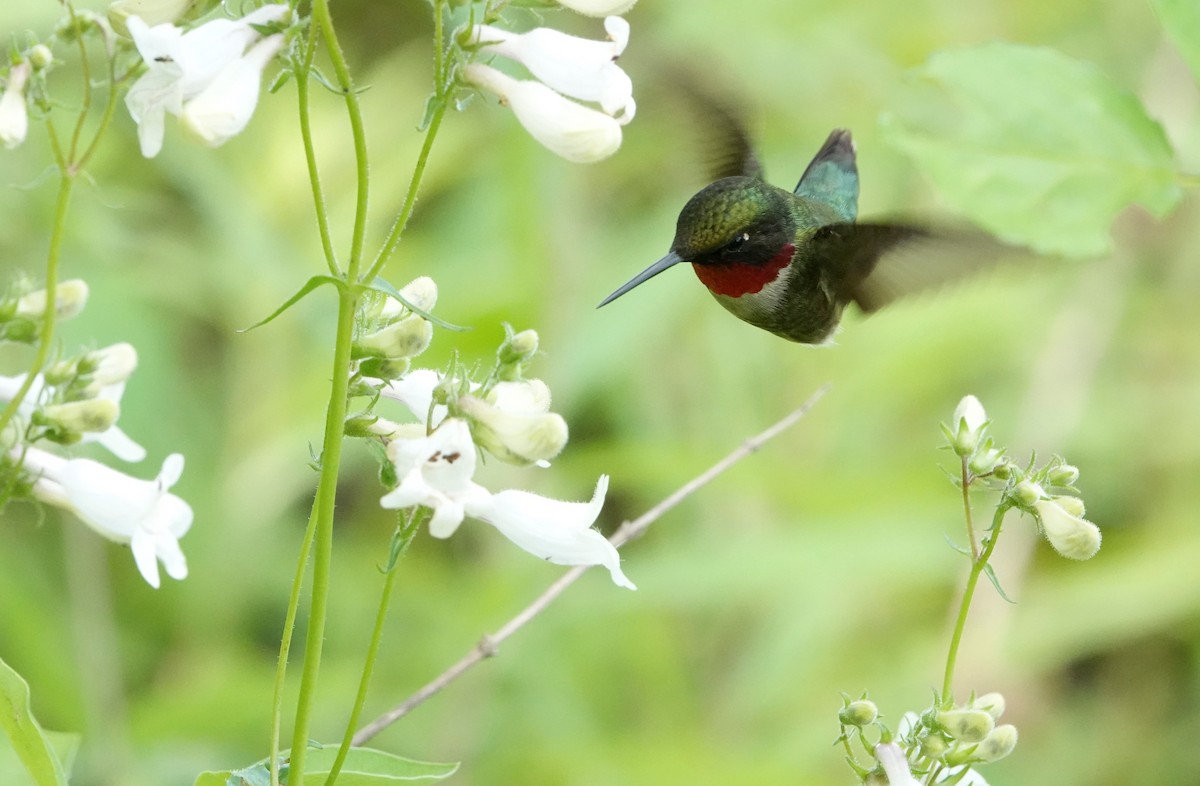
<point>790,261</point>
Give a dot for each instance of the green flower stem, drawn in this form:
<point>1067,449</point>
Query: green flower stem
<point>406,533</point>
<point>443,90</point>
<point>106,117</point>
<point>86,73</point>
<point>331,456</point>
<point>966,495</point>
<point>322,18</point>
<point>67,180</point>
<point>977,568</point>
<point>285,642</point>
<point>310,153</point>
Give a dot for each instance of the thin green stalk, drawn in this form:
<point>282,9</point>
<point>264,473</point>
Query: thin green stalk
<point>407,531</point>
<point>331,456</point>
<point>966,495</point>
<point>57,233</point>
<point>86,73</point>
<point>435,122</point>
<point>285,641</point>
<point>106,117</point>
<point>310,153</point>
<point>977,568</point>
<point>322,18</point>
<point>410,199</point>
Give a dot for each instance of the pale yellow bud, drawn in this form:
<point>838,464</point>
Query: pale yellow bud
<point>999,743</point>
<point>515,438</point>
<point>967,725</point>
<point>69,299</point>
<point>1071,536</point>
<point>991,703</point>
<point>92,415</point>
<point>404,339</point>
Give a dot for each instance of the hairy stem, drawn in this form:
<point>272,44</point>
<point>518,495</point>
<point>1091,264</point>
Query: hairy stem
<point>310,153</point>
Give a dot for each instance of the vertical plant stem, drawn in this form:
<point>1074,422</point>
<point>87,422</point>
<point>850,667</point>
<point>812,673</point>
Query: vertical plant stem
<point>331,456</point>
<point>285,642</point>
<point>48,315</point>
<point>977,568</point>
<point>310,153</point>
<point>966,495</point>
<point>407,530</point>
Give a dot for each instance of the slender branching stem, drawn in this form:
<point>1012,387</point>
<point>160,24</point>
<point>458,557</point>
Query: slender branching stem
<point>310,152</point>
<point>966,495</point>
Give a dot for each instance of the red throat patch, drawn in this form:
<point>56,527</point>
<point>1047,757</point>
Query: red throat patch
<point>734,279</point>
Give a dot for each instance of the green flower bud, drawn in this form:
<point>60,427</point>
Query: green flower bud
<point>1027,493</point>
<point>985,460</point>
<point>998,744</point>
<point>40,57</point>
<point>967,425</point>
<point>21,331</point>
<point>383,368</point>
<point>519,347</point>
<point>108,366</point>
<point>934,746</point>
<point>360,425</point>
<point>512,437</point>
<point>1063,475</point>
<point>1004,469</point>
<point>94,415</point>
<point>991,703</point>
<point>404,339</point>
<point>967,725</point>
<point>1071,536</point>
<point>858,713</point>
<point>69,299</point>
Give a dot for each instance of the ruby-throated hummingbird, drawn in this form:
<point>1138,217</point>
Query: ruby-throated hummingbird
<point>789,261</point>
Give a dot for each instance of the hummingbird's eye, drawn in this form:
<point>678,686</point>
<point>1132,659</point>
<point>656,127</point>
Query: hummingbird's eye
<point>738,241</point>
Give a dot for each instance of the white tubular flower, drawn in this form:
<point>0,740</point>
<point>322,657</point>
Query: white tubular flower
<point>69,299</point>
<point>564,127</point>
<point>1072,536</point>
<point>559,532</point>
<point>142,513</point>
<point>109,365</point>
<point>113,439</point>
<point>577,67</point>
<point>222,110</point>
<point>415,391</point>
<point>14,115</point>
<point>967,425</point>
<point>436,472</point>
<point>891,757</point>
<point>181,66</point>
<point>598,7</point>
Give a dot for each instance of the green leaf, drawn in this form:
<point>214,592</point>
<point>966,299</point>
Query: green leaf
<point>35,749</point>
<point>963,550</point>
<point>1181,18</point>
<point>308,287</point>
<point>381,284</point>
<point>1038,148</point>
<point>363,767</point>
<point>991,574</point>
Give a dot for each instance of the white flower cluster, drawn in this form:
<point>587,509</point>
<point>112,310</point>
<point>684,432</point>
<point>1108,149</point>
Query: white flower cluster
<point>1058,511</point>
<point>76,401</point>
<point>434,459</point>
<point>209,77</point>
<point>565,67</point>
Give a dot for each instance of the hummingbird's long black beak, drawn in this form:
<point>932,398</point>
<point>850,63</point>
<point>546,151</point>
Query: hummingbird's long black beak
<point>647,274</point>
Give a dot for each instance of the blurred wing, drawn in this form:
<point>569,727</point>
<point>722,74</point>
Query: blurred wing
<point>717,120</point>
<point>832,176</point>
<point>874,264</point>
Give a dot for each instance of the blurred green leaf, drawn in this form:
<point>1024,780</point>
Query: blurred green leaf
<point>381,284</point>
<point>363,767</point>
<point>1181,18</point>
<point>40,753</point>
<point>1036,147</point>
<point>308,287</point>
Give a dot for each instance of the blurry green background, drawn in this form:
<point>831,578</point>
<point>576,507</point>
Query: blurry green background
<point>815,566</point>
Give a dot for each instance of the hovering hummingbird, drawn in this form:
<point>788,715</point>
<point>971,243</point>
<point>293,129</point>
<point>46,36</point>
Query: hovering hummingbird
<point>789,261</point>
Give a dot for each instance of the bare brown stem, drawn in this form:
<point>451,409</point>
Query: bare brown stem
<point>488,645</point>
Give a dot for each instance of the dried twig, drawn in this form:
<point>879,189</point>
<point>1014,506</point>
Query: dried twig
<point>626,532</point>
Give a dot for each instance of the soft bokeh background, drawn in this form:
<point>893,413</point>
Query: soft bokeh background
<point>815,566</point>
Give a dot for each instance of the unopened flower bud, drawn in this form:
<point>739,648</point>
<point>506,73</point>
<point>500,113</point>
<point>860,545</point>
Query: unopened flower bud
<point>69,299</point>
<point>1072,505</point>
<point>998,744</point>
<point>1071,536</point>
<point>519,347</point>
<point>991,703</point>
<point>109,366</point>
<point>967,425</point>
<point>1004,469</point>
<point>967,725</point>
<point>933,746</point>
<point>1028,493</point>
<point>858,713</point>
<point>61,373</point>
<point>985,460</point>
<point>404,339</point>
<point>421,292</point>
<point>360,425</point>
<point>40,57</point>
<point>1063,475</point>
<point>515,438</point>
<point>384,368</point>
<point>91,415</point>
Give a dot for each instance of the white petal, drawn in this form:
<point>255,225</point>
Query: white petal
<point>971,411</point>
<point>564,127</point>
<point>527,397</point>
<point>172,470</point>
<point>145,557</point>
<point>158,91</point>
<point>168,551</point>
<point>559,532</point>
<point>14,114</point>
<point>118,443</point>
<point>891,757</point>
<point>1071,536</point>
<point>225,106</point>
<point>415,391</point>
<point>110,502</point>
<point>447,517</point>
